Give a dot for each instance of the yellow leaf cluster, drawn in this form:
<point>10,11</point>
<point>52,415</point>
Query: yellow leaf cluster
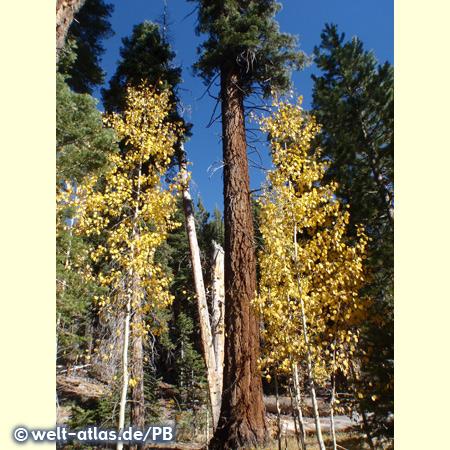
<point>309,268</point>
<point>129,207</point>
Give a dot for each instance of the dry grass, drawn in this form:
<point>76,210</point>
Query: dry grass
<point>351,440</point>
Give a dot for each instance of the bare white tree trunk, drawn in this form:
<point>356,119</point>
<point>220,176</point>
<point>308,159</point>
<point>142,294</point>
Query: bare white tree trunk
<point>312,389</point>
<point>205,325</point>
<point>218,311</point>
<point>333,430</point>
<point>125,381</point>
<point>278,411</point>
<point>298,402</point>
<point>123,397</point>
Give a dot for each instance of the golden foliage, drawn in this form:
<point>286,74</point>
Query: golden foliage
<point>129,208</point>
<point>310,274</point>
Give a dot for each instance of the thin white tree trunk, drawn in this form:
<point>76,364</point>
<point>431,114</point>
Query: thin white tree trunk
<point>126,339</point>
<point>205,325</point>
<point>333,430</point>
<point>218,311</point>
<point>278,411</point>
<point>333,385</point>
<point>298,402</point>
<point>312,389</point>
<point>123,398</point>
<point>296,425</point>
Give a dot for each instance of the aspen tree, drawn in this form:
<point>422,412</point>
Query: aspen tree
<point>129,205</point>
<point>310,274</point>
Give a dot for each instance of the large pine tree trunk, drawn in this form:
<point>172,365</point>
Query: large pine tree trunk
<point>65,13</point>
<point>242,420</point>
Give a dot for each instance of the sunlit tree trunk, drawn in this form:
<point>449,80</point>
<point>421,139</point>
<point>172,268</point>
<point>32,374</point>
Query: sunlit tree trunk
<point>205,325</point>
<point>218,311</point>
<point>298,402</point>
<point>242,420</point>
<point>123,397</point>
<point>332,427</point>
<point>137,370</point>
<point>311,383</point>
<point>278,411</point>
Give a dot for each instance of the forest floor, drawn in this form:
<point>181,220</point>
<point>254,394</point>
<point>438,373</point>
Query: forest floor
<point>346,440</point>
<point>341,423</point>
<point>349,436</point>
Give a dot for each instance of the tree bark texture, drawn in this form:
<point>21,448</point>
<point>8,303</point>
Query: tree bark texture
<point>242,420</point>
<point>137,371</point>
<point>123,397</point>
<point>65,13</point>
<point>137,409</point>
<point>214,382</point>
<point>218,310</point>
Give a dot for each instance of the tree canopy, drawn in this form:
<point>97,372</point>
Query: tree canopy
<point>245,36</point>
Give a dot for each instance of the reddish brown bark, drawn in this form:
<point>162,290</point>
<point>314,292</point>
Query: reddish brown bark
<point>65,12</point>
<point>242,420</point>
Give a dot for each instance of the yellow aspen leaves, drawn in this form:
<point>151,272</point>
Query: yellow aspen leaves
<point>306,256</point>
<point>129,205</point>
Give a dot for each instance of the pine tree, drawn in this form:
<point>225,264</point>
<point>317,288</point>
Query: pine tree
<point>65,13</point>
<point>144,57</point>
<point>213,230</point>
<point>87,32</point>
<point>354,102</point>
<point>247,51</point>
<point>82,149</point>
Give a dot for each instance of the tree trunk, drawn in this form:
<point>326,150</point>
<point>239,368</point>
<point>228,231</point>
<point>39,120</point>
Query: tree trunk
<point>309,362</point>
<point>205,325</point>
<point>332,427</point>
<point>298,403</point>
<point>137,356</point>
<point>65,13</point>
<point>137,372</point>
<point>123,397</point>
<point>242,421</point>
<point>278,411</point>
<point>218,311</point>
<point>133,305</point>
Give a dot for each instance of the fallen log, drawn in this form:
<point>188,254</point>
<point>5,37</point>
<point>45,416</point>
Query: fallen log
<point>176,446</point>
<point>270,402</point>
<point>79,387</point>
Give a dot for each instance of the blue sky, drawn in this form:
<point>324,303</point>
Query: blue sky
<point>371,21</point>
